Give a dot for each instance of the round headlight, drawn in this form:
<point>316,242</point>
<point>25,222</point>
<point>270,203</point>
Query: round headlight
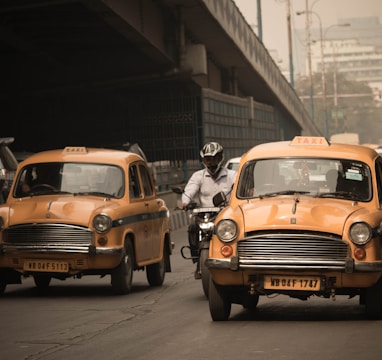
<point>226,230</point>
<point>102,223</point>
<point>360,233</point>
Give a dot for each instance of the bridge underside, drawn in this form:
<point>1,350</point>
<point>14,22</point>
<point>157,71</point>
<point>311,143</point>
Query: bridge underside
<point>100,73</point>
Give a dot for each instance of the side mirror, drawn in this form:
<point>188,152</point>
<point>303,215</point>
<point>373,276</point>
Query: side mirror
<point>219,199</point>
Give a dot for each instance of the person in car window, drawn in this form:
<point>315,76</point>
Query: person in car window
<point>203,185</point>
<point>45,174</point>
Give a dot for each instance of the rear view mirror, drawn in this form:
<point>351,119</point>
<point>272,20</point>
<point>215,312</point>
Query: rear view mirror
<point>219,199</point>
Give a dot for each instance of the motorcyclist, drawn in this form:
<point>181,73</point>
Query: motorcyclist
<point>203,185</point>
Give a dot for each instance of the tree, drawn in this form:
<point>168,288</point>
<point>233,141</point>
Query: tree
<point>356,112</point>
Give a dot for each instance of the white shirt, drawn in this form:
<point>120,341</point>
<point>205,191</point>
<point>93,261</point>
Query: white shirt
<point>202,186</point>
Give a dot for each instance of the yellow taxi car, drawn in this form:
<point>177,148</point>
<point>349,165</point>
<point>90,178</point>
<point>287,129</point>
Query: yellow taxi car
<point>84,211</point>
<point>304,219</point>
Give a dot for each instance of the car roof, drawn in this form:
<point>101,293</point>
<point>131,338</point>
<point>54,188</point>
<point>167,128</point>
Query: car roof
<point>84,154</point>
<point>313,146</point>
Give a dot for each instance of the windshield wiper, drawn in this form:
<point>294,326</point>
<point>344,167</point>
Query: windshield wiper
<point>339,194</point>
<point>95,193</point>
<point>47,192</point>
<point>283,192</point>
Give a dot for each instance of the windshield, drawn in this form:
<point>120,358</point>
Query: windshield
<point>77,178</point>
<point>337,178</point>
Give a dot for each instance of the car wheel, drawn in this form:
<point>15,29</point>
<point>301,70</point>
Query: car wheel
<point>373,301</point>
<point>42,282</point>
<point>204,271</point>
<point>3,285</point>
<point>220,306</point>
<point>250,301</point>
<point>155,273</point>
<point>122,275</point>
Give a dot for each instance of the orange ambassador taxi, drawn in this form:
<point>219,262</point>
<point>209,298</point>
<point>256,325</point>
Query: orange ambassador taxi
<point>304,219</point>
<point>84,211</point>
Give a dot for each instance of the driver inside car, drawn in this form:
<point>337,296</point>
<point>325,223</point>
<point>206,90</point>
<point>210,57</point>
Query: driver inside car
<point>43,178</point>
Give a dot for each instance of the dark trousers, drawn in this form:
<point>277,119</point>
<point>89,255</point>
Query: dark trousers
<point>193,240</point>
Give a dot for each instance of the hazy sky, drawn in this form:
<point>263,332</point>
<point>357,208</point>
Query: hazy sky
<point>274,14</point>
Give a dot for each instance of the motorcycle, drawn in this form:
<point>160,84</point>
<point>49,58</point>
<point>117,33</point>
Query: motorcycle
<point>203,222</point>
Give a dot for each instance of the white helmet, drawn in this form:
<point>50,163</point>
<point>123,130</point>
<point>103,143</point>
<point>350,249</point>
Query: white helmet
<point>212,157</point>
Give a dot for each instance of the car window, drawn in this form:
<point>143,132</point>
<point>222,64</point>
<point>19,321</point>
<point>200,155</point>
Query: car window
<point>147,185</point>
<point>312,176</point>
<point>134,184</point>
<point>378,172</point>
<point>77,178</point>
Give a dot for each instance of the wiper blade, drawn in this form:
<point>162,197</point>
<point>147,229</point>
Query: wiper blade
<point>283,192</point>
<point>95,193</point>
<point>339,194</point>
<point>47,192</point>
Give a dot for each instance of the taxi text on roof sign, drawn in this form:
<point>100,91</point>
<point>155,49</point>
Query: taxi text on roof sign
<point>75,150</point>
<point>310,140</point>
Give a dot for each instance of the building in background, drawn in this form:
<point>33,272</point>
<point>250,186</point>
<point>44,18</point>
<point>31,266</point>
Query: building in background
<point>354,49</point>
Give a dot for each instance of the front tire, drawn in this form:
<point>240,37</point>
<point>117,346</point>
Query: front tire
<point>204,271</point>
<point>42,282</point>
<point>122,275</point>
<point>220,306</point>
<point>3,285</point>
<point>155,273</point>
<point>250,302</point>
<point>373,301</point>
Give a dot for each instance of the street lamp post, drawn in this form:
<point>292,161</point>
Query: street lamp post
<point>290,51</point>
<point>309,50</point>
<point>335,94</point>
<point>324,104</point>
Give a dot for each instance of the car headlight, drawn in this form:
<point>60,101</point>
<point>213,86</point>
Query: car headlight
<point>226,230</point>
<point>102,223</point>
<point>360,233</point>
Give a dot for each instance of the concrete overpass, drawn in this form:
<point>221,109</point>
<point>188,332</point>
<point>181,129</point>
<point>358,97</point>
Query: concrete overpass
<point>169,74</point>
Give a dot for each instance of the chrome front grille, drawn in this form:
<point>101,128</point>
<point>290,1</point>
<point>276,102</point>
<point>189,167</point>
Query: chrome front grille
<point>294,251</point>
<point>47,238</point>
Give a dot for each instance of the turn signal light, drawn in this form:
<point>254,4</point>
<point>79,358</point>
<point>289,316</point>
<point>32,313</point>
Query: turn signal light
<point>102,241</point>
<point>359,253</point>
<point>226,250</point>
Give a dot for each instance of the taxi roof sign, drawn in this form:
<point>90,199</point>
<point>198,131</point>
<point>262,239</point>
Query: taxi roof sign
<point>310,140</point>
<point>75,150</point>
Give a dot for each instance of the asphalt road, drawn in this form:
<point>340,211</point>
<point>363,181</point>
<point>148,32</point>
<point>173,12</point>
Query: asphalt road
<point>82,319</point>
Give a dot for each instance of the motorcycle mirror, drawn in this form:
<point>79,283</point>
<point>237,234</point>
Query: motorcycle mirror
<point>219,199</point>
<point>177,190</point>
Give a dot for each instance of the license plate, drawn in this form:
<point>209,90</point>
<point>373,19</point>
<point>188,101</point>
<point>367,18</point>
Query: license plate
<point>275,282</point>
<point>46,265</point>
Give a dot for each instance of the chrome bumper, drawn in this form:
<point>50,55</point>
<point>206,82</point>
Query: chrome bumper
<point>347,266</point>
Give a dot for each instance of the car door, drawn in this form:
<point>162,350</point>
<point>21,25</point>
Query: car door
<point>153,210</point>
<point>140,215</point>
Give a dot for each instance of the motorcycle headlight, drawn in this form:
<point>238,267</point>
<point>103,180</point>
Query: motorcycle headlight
<point>226,230</point>
<point>360,233</point>
<point>102,223</point>
<point>207,226</point>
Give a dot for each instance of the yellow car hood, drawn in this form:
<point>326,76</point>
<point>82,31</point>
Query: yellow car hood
<point>62,209</point>
<point>308,213</point>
